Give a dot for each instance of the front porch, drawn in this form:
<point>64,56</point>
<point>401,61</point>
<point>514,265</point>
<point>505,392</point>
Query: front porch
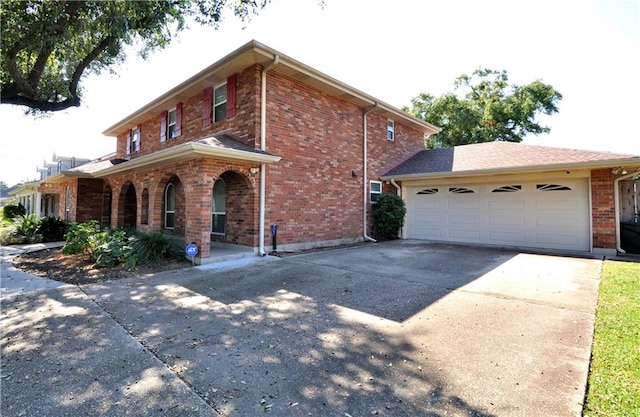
<point>221,252</point>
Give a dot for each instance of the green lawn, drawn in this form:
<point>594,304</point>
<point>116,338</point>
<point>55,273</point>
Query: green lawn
<point>614,377</point>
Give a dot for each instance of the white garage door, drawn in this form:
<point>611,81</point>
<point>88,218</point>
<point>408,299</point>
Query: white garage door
<point>550,214</point>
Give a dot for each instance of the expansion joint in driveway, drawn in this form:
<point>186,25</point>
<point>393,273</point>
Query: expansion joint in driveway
<point>147,348</point>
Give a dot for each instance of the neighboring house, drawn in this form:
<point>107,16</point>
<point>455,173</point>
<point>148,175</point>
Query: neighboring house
<point>258,139</point>
<point>59,164</point>
<point>511,194</point>
<point>31,194</point>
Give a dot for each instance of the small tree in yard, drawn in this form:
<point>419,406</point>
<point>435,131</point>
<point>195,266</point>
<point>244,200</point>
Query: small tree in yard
<point>388,216</point>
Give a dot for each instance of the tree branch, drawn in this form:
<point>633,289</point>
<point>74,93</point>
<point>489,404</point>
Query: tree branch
<point>71,10</point>
<point>86,61</point>
<point>42,105</point>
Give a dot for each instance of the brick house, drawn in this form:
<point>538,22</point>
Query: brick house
<point>255,139</point>
<point>259,138</point>
<point>35,197</point>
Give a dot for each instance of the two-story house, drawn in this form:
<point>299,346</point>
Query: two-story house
<point>259,139</point>
<point>253,140</point>
<point>34,197</point>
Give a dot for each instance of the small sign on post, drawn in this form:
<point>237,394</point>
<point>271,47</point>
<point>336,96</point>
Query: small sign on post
<point>191,250</point>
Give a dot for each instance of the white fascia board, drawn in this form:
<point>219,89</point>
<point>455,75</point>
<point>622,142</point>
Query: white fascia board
<point>631,163</point>
<point>184,152</point>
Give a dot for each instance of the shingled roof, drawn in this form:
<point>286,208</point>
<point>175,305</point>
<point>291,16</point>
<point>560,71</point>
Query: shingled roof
<point>503,157</point>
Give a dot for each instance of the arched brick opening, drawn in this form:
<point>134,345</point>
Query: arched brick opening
<point>240,210</point>
<point>127,206</point>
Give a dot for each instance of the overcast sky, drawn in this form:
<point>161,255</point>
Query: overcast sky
<point>392,50</point>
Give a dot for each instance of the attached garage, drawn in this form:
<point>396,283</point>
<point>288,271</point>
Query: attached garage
<point>550,214</point>
<point>510,194</point>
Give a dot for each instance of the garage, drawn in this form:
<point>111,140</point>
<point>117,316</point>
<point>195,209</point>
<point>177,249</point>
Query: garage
<point>523,196</point>
<point>549,214</point>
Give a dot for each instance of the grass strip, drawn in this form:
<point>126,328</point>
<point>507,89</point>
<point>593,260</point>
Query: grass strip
<point>614,377</point>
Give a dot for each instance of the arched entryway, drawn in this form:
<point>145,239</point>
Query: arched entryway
<point>127,207</point>
<point>233,210</point>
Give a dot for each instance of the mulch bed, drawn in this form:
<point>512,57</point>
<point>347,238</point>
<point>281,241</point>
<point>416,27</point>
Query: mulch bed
<point>78,269</point>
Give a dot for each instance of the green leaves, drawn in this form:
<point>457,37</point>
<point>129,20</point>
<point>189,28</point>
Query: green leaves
<point>388,216</point>
<point>49,45</point>
<point>484,107</point>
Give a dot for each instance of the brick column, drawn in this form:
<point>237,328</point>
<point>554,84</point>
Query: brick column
<point>603,209</point>
<point>198,214</point>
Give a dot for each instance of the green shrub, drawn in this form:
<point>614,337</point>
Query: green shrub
<point>8,235</point>
<point>26,228</point>
<point>109,248</point>
<point>388,216</point>
<point>52,229</point>
<point>83,238</point>
<point>11,211</point>
<point>114,250</point>
<point>151,247</point>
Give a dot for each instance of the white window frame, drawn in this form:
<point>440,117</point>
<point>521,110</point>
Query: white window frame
<point>391,130</point>
<point>166,205</point>
<point>215,212</point>
<point>171,126</point>
<point>135,140</point>
<point>373,192</point>
<point>220,103</point>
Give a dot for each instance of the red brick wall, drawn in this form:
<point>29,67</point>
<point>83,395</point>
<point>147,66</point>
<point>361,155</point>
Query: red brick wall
<point>314,194</point>
<point>244,126</point>
<point>603,209</point>
<point>89,199</point>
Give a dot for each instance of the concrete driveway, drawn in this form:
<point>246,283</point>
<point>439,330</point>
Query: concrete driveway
<point>401,328</point>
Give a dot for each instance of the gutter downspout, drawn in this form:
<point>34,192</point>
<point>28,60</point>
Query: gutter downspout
<point>263,147</point>
<point>365,180</point>
<point>398,190</point>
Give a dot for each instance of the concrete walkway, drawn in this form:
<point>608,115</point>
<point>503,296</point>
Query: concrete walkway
<point>13,281</point>
<point>395,329</point>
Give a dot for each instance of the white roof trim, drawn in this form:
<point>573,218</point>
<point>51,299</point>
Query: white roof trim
<point>186,151</point>
<point>632,163</point>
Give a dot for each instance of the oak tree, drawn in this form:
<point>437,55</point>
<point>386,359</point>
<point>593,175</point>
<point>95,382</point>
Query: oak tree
<point>484,107</point>
<point>47,46</point>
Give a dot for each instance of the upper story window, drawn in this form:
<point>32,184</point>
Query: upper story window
<point>171,124</point>
<point>391,130</point>
<point>220,103</point>
<point>133,141</point>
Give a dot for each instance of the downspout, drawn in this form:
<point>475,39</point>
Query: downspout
<point>398,190</point>
<point>263,147</point>
<point>365,180</point>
